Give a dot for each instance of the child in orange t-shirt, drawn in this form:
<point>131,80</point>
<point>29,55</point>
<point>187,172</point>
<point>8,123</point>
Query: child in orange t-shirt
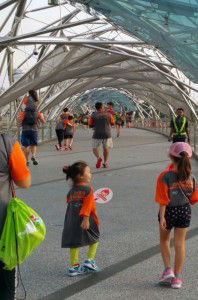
<point>176,190</point>
<point>81,222</point>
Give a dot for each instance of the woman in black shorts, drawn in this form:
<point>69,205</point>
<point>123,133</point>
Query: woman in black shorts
<point>176,191</point>
<point>69,133</point>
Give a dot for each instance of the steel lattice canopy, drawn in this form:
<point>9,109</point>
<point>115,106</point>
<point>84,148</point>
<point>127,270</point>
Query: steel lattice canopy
<point>170,25</point>
<point>80,52</point>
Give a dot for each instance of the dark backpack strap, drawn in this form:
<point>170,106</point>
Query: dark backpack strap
<point>194,183</point>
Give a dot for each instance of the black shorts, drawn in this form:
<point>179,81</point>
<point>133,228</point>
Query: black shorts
<point>68,136</point>
<point>60,134</point>
<point>29,138</point>
<point>177,216</point>
<point>181,139</point>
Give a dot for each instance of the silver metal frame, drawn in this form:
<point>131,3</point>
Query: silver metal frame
<point>115,53</point>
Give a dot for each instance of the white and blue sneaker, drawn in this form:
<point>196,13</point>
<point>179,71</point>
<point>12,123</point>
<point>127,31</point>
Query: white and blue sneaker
<point>91,265</point>
<point>77,270</point>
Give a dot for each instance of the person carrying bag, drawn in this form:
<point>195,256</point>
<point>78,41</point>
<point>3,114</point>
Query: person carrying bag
<point>12,167</point>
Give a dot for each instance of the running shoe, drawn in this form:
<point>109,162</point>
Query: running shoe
<point>77,270</point>
<point>176,283</point>
<point>66,148</point>
<point>99,161</point>
<point>57,147</point>
<point>105,166</point>
<point>35,162</point>
<point>70,147</point>
<point>166,277</point>
<point>91,265</point>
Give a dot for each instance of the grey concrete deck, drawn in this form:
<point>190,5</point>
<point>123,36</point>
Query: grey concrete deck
<point>128,254</point>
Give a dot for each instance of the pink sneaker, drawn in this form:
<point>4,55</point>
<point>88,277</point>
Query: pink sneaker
<point>62,149</point>
<point>66,148</point>
<point>176,283</point>
<point>70,147</point>
<point>167,276</point>
<point>98,164</point>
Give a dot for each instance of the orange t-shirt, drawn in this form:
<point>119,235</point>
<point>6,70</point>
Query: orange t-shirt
<point>68,122</point>
<point>89,206</point>
<point>112,120</point>
<point>18,165</point>
<point>86,195</point>
<point>169,189</point>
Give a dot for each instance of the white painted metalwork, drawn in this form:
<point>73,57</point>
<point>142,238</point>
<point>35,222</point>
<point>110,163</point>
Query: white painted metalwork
<point>75,52</point>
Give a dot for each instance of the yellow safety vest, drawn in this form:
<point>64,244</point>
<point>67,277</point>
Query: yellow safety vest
<point>179,132</point>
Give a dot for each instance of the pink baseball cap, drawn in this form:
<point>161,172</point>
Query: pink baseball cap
<point>177,148</point>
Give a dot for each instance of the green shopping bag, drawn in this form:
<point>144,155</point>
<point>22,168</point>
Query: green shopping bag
<point>23,231</point>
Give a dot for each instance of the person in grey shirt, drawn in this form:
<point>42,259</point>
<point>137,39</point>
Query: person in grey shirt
<point>12,168</point>
<point>101,122</point>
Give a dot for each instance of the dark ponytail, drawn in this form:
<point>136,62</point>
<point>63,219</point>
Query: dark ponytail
<point>183,166</point>
<point>34,95</point>
<point>74,171</point>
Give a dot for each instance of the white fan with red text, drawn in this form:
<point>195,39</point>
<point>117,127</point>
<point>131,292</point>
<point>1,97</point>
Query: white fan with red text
<point>103,195</point>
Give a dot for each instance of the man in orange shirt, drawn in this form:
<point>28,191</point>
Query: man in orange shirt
<point>101,122</point>
<point>12,167</point>
<point>30,119</point>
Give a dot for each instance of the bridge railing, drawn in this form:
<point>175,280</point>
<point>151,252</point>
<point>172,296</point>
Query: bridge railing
<point>163,127</point>
<point>45,132</point>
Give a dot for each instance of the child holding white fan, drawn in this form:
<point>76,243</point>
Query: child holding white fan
<point>81,226</point>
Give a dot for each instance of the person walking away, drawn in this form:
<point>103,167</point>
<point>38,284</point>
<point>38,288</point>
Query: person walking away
<point>75,120</point>
<point>128,120</point>
<point>85,120</point>
<point>118,123</point>
<point>81,225</point>
<point>12,167</point>
<point>60,134</point>
<point>123,119</point>
<point>101,121</point>
<point>30,119</point>
<point>69,128</point>
<point>110,108</point>
<point>60,128</point>
<point>179,128</point>
<point>176,190</point>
